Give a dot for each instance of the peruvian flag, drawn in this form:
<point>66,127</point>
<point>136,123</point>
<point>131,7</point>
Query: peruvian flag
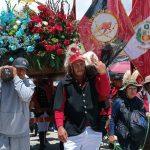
<point>138,48</point>
<point>105,29</point>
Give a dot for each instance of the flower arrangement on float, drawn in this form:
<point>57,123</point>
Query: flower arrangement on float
<point>56,29</point>
<point>41,37</point>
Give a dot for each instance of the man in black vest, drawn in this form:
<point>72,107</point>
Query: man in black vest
<point>76,102</point>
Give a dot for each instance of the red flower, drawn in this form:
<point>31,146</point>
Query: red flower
<point>67,42</point>
<point>57,46</point>
<point>36,19</point>
<point>44,43</point>
<point>70,29</point>
<point>37,30</point>
<point>59,51</point>
<point>58,27</point>
<point>50,48</point>
<point>41,7</point>
<point>51,21</point>
<point>60,15</point>
<point>30,24</point>
<point>52,30</point>
<point>68,24</point>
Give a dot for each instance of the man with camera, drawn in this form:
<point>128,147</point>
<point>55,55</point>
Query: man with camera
<point>16,90</point>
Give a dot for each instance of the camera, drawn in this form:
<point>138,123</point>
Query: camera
<point>7,74</point>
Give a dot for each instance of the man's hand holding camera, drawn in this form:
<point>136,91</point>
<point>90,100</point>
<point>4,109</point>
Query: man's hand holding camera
<point>7,73</point>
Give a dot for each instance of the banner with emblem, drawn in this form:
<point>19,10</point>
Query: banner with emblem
<point>138,48</point>
<point>105,29</point>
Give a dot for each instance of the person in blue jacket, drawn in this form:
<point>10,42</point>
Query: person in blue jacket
<point>126,100</point>
<point>15,96</point>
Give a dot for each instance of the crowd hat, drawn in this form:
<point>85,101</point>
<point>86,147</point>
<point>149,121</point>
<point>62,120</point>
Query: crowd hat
<point>21,62</point>
<point>130,80</point>
<point>74,53</point>
<point>147,80</point>
<point>131,83</point>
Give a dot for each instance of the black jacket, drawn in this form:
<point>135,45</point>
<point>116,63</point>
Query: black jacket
<point>81,106</point>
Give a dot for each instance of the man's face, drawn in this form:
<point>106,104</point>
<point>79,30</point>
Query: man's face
<point>78,68</point>
<point>131,91</point>
<point>21,72</point>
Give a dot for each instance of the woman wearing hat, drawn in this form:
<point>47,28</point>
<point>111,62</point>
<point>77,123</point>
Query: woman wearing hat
<point>76,103</point>
<point>125,102</point>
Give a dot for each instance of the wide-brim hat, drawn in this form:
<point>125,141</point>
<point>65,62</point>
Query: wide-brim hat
<point>147,80</point>
<point>131,83</point>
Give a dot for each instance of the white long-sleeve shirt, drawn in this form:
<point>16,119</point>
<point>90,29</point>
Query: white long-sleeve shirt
<point>14,106</point>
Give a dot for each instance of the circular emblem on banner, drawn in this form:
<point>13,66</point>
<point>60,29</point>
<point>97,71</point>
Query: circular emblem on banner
<point>143,35</point>
<point>104,27</point>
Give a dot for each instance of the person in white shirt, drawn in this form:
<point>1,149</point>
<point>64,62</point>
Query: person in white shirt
<point>15,96</point>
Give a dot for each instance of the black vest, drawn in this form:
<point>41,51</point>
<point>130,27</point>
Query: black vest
<point>81,107</point>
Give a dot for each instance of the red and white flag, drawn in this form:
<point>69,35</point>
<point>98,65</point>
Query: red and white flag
<point>138,48</point>
<point>105,29</point>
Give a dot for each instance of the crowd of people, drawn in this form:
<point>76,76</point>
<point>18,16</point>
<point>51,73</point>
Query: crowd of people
<point>86,106</point>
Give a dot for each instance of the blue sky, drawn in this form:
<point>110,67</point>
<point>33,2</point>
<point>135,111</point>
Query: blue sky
<point>82,5</point>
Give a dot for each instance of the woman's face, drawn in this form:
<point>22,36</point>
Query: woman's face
<point>79,68</point>
<point>131,91</point>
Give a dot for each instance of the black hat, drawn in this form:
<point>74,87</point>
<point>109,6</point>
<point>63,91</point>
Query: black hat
<point>21,62</point>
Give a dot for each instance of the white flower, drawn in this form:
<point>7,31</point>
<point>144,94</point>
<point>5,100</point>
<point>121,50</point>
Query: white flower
<point>18,22</point>
<point>15,27</point>
<point>45,23</point>
<point>39,25</point>
<point>23,26</point>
